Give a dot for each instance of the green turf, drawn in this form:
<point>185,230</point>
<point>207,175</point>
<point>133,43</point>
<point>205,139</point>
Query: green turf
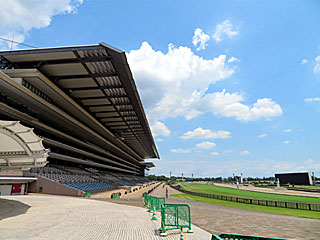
<point>276,210</point>
<point>196,187</point>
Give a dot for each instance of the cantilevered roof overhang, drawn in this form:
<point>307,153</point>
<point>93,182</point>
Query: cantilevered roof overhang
<point>20,148</point>
<point>98,78</point>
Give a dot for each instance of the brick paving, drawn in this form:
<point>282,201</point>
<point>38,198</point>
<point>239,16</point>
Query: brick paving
<point>58,217</point>
<point>218,219</point>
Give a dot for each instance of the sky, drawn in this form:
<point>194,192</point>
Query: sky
<point>227,86</point>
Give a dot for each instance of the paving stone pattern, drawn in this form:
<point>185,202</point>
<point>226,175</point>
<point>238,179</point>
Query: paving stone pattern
<point>218,219</point>
<point>58,217</point>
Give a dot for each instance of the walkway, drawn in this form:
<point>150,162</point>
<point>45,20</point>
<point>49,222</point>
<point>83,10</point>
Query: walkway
<point>218,219</point>
<point>58,217</point>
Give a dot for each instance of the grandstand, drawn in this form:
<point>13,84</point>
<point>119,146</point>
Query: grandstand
<point>83,103</point>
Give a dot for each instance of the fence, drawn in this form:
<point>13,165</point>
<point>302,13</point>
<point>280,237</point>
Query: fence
<point>262,202</point>
<point>153,203</point>
<point>241,237</point>
<point>116,195</point>
<point>175,216</point>
<point>156,202</point>
<point>87,194</point>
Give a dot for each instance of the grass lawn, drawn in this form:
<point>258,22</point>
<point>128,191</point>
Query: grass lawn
<point>196,187</point>
<point>284,211</point>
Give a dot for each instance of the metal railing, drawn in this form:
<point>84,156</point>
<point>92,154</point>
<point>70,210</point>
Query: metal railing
<point>256,201</point>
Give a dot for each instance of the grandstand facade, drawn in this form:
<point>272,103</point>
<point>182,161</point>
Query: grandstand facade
<point>83,102</point>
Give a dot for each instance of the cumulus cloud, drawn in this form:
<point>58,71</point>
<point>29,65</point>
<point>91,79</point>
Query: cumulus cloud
<point>159,139</point>
<point>160,129</point>
<point>201,133</point>
<point>286,142</point>
<point>206,145</point>
<point>262,135</point>
<point>200,39</point>
<point>214,153</point>
<point>229,105</point>
<point>18,17</point>
<point>244,152</point>
<point>317,66</point>
<point>314,99</point>
<point>304,61</point>
<point>180,150</point>
<point>233,59</point>
<point>224,30</point>
<point>288,130</point>
<point>181,80</point>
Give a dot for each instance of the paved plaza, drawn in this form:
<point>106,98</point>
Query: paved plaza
<point>58,217</point>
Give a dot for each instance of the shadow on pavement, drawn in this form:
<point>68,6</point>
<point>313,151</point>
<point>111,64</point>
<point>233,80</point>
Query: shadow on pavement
<point>11,208</point>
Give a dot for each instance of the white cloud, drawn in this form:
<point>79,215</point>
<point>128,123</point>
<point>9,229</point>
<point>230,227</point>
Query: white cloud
<point>229,105</point>
<point>201,133</point>
<point>181,80</point>
<point>179,76</point>
<point>307,165</point>
<point>317,66</point>
<point>160,129</point>
<point>180,150</point>
<point>206,145</point>
<point>304,61</point>
<point>214,153</point>
<point>244,152</point>
<point>288,130</point>
<point>314,99</point>
<point>233,59</point>
<point>200,38</point>
<point>223,30</point>
<point>262,135</point>
<point>159,139</point>
<point>18,17</point>
<point>286,142</point>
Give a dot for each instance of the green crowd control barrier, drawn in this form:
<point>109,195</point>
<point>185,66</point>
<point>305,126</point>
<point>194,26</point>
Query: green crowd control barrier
<point>242,237</point>
<point>155,203</point>
<point>175,216</point>
<point>87,194</point>
<point>116,195</point>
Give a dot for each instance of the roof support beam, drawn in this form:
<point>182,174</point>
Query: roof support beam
<point>39,64</point>
<point>92,75</point>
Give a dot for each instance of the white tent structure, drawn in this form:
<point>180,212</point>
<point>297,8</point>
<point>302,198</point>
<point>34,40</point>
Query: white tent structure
<point>20,148</point>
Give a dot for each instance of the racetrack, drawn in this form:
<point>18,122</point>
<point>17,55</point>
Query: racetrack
<point>218,219</point>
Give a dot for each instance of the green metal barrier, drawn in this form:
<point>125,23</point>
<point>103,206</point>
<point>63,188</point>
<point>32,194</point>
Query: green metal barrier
<point>87,194</point>
<point>116,195</point>
<point>175,216</point>
<point>155,203</point>
<point>242,237</point>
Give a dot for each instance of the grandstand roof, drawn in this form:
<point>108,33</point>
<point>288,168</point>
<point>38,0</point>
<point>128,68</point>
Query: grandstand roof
<point>98,78</point>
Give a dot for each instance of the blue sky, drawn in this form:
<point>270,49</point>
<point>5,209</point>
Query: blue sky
<point>228,86</point>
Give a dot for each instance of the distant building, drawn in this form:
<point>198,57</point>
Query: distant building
<point>302,178</point>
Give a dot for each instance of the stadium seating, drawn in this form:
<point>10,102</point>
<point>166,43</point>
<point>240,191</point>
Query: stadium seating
<point>91,187</point>
<point>88,179</point>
